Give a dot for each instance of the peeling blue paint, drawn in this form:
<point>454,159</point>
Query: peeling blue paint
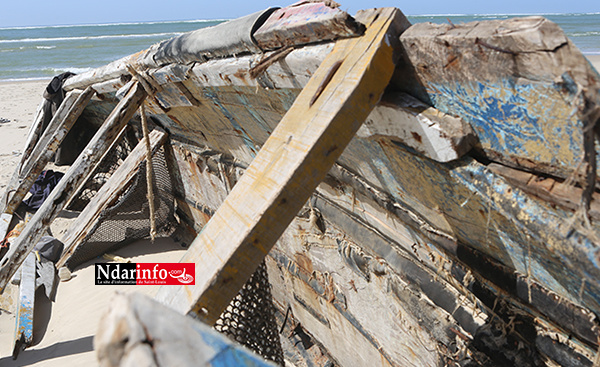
<point>533,120</point>
<point>248,141</point>
<point>489,215</point>
<point>228,353</point>
<point>556,258</point>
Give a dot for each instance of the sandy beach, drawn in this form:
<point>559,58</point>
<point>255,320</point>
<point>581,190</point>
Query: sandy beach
<point>18,106</point>
<point>595,60</point>
<point>64,329</point>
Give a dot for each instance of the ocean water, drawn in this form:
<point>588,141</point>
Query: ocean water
<point>42,52</point>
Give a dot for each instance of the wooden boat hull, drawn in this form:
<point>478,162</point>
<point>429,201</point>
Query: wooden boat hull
<point>423,245</point>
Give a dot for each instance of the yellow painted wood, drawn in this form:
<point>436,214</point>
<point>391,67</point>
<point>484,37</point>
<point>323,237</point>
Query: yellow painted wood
<point>293,161</point>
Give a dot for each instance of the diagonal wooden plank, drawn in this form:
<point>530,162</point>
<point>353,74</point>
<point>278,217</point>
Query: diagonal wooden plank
<point>109,192</point>
<point>290,165</point>
<point>62,112</point>
<point>29,170</point>
<point>79,172</point>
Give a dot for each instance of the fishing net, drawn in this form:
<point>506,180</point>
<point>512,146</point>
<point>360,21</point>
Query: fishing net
<point>250,318</point>
<point>128,219</point>
<point>105,169</point>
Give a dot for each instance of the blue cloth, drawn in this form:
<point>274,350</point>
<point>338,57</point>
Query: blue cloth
<point>41,189</point>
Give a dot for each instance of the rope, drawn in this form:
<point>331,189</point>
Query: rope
<point>149,172</point>
<point>146,82</point>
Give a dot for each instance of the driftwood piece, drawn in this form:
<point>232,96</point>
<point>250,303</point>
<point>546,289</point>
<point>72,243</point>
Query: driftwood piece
<point>295,158</point>
<point>109,192</point>
<point>109,86</point>
<point>404,119</point>
<point>75,176</point>
<point>138,331</point>
<point>304,23</point>
<point>24,319</point>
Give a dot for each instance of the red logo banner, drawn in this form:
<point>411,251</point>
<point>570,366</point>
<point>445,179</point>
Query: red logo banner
<point>146,273</point>
<point>165,273</point>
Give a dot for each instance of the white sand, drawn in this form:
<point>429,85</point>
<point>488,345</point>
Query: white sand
<point>18,103</point>
<point>595,60</point>
<point>66,340</point>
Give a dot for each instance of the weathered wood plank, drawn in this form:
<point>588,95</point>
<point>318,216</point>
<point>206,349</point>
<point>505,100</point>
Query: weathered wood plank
<point>399,251</point>
<point>24,319</point>
<point>516,81</point>
<point>75,176</point>
<point>109,86</point>
<point>549,189</point>
<point>155,335</point>
<point>37,157</point>
<point>111,71</point>
<point>48,143</point>
<point>110,191</point>
<point>14,182</point>
<point>303,23</point>
<point>297,156</point>
<point>293,71</point>
<point>486,213</point>
<point>404,119</point>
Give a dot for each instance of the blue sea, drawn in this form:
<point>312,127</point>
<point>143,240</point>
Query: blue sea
<point>45,51</point>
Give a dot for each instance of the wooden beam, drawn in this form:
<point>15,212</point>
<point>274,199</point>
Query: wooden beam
<point>555,192</point>
<point>303,23</point>
<point>35,130</point>
<point>517,82</point>
<point>62,122</point>
<point>24,320</point>
<point>79,172</point>
<point>402,118</point>
<point>293,161</point>
<point>106,196</point>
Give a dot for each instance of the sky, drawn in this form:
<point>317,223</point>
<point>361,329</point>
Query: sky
<point>65,12</point>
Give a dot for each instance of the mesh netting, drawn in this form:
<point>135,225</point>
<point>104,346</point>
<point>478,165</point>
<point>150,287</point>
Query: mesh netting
<point>250,318</point>
<point>109,164</point>
<point>129,218</point>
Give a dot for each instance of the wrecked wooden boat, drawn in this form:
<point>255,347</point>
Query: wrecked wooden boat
<point>418,194</point>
